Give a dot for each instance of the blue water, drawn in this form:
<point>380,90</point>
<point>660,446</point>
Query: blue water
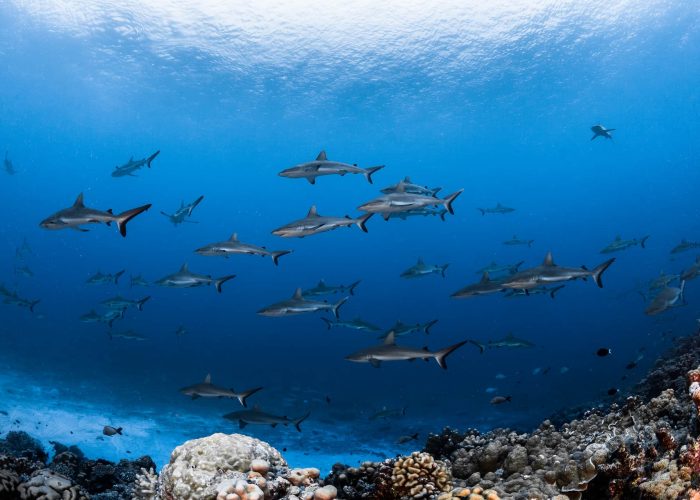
<point>496,99</point>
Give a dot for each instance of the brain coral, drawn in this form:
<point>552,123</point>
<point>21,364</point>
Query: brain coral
<point>197,466</point>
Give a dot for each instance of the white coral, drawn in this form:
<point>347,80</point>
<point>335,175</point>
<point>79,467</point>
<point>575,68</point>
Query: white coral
<point>146,485</point>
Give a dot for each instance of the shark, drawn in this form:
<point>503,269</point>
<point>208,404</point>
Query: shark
<point>322,166</point>
<point>420,212</point>
<point>400,329</point>
<point>314,223</point>
<point>128,335</point>
<point>692,272</point>
<point>410,187</point>
<point>208,390</point>
<point>24,271</point>
<point>108,318</point>
<point>515,241</point>
<point>16,300</point>
<point>400,201</point>
<point>353,324</point>
<point>99,278</point>
<point>7,163</point>
<point>233,246</point>
<point>619,244</point>
<point>138,280</point>
<point>186,279</point>
<point>548,272</point>
<point>299,305</point>
<point>667,298</point>
<point>684,246</point>
<point>510,342</point>
<point>389,351</point>
<point>386,413</point>
<point>260,417</point>
<point>494,268</point>
<point>323,289</point>
<point>600,131</point>
<point>421,269</point>
<point>78,214</point>
<point>498,209</point>
<point>540,290</point>
<point>120,302</point>
<point>23,250</point>
<point>132,166</point>
<point>485,286</point>
<point>181,214</point>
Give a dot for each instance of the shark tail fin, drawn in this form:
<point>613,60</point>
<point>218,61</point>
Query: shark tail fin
<point>336,307</point>
<point>125,217</point>
<point>33,304</point>
<point>352,287</point>
<point>151,158</point>
<point>361,221</point>
<point>117,276</point>
<point>245,395</point>
<point>483,212</point>
<point>369,171</point>
<point>554,290</point>
<point>194,205</point>
<point>223,280</point>
<point>481,346</point>
<point>328,323</point>
<point>429,325</point>
<point>140,303</point>
<point>441,356</point>
<point>442,215</point>
<point>597,273</point>
<point>443,269</point>
<point>298,421</point>
<point>643,241</point>
<point>276,255</point>
<point>119,430</point>
<point>450,199</point>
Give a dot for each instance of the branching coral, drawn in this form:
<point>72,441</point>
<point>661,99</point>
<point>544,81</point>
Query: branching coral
<point>146,485</point>
<point>419,476</point>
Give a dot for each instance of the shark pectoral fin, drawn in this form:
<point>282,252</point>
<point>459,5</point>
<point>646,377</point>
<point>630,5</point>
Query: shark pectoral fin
<point>375,362</point>
<point>242,424</point>
<point>386,215</point>
<point>411,359</point>
<point>273,425</point>
<point>80,229</point>
<point>312,180</point>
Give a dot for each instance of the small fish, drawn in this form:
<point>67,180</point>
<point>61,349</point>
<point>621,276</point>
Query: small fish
<point>601,131</point>
<point>132,165</point>
<point>603,351</point>
<point>108,430</point>
<point>407,439</point>
<point>420,269</point>
<point>498,209</point>
<point>120,302</point>
<point>631,365</point>
<point>515,241</point>
<point>500,376</point>
<point>490,390</point>
<point>9,167</point>
<point>498,400</point>
<point>138,280</point>
<point>612,391</point>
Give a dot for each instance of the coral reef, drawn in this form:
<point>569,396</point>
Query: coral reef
<point>47,485</point>
<point>419,476</point>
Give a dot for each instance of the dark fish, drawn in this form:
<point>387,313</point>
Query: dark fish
<point>500,400</point>
<point>612,391</point>
<point>631,365</point>
<point>111,431</point>
<point>603,351</point>
<point>406,439</point>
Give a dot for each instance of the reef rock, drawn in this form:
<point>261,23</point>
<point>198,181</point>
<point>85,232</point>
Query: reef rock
<point>47,485</point>
<point>198,466</point>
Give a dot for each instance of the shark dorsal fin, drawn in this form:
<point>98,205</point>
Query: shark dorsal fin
<point>401,187</point>
<point>312,212</point>
<point>79,201</point>
<point>548,260</point>
<point>207,379</point>
<point>407,180</point>
<point>498,205</point>
<point>321,284</point>
<point>618,238</point>
<point>297,294</point>
<point>420,261</point>
<point>390,338</point>
<point>485,278</point>
<point>182,203</point>
<point>184,268</point>
<point>322,156</point>
<point>234,237</point>
<point>131,158</point>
